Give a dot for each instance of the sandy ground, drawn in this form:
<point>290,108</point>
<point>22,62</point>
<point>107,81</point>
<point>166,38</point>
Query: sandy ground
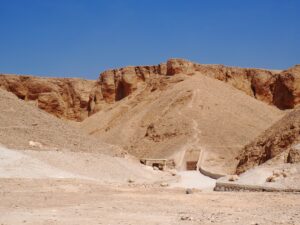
<point>194,179</point>
<point>76,165</point>
<point>285,175</point>
<point>42,187</point>
<point>92,166</point>
<point>22,123</point>
<point>69,201</point>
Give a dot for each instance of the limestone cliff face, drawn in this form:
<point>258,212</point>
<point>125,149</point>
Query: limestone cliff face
<point>119,83</point>
<point>279,88</point>
<point>64,98</point>
<point>76,99</point>
<point>279,138</point>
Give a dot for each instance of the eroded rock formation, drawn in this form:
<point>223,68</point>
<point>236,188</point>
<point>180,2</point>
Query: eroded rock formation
<point>64,98</point>
<point>277,139</point>
<point>76,99</point>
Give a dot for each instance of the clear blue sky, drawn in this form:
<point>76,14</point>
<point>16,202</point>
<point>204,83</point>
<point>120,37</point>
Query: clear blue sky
<point>81,38</point>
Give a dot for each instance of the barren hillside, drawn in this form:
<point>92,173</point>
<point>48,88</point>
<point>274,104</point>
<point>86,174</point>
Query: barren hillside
<point>274,141</point>
<point>185,117</point>
<point>58,150</point>
<point>22,123</point>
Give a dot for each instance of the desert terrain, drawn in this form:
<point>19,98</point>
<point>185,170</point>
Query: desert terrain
<point>174,143</point>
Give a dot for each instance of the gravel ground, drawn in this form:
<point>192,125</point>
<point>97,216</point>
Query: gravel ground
<point>77,202</point>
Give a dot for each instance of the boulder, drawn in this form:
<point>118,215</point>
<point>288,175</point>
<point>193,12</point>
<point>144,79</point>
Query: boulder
<point>294,155</point>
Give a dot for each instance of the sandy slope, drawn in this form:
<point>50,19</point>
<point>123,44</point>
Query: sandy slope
<point>65,151</point>
<point>185,115</point>
<point>287,175</point>
<point>97,167</point>
<point>21,123</point>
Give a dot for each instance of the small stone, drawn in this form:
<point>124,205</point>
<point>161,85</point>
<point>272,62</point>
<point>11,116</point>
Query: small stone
<point>284,174</point>
<point>233,177</point>
<point>173,172</point>
<point>277,173</point>
<point>130,180</point>
<point>271,178</point>
<point>189,191</point>
<point>35,144</point>
<point>155,168</point>
<point>164,184</point>
<point>186,218</point>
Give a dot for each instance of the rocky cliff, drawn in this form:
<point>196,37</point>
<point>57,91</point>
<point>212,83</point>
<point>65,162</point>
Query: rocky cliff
<point>64,98</point>
<point>279,88</point>
<point>76,99</point>
<point>280,137</point>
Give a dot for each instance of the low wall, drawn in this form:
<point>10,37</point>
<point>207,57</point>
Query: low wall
<point>210,174</point>
<point>241,187</point>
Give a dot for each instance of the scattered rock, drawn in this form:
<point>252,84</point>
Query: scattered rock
<point>130,180</point>
<point>155,168</point>
<point>233,177</point>
<point>173,172</point>
<point>186,218</point>
<point>282,137</point>
<point>189,191</point>
<point>294,155</point>
<point>164,184</point>
<point>271,179</point>
<point>277,173</point>
<point>35,144</point>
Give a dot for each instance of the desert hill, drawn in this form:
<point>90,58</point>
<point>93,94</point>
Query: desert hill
<point>21,123</point>
<point>76,99</point>
<point>178,110</point>
<point>185,117</point>
<point>63,97</point>
<point>37,145</point>
<point>279,138</point>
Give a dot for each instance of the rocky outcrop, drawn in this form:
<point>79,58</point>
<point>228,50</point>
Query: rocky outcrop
<point>64,98</point>
<point>294,154</point>
<point>76,99</point>
<point>117,84</point>
<point>279,88</point>
<point>274,141</point>
<point>176,66</point>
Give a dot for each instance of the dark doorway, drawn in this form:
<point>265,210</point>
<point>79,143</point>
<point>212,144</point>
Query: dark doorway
<point>191,165</point>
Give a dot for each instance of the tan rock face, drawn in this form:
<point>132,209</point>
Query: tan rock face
<point>119,83</point>
<point>277,139</point>
<point>77,99</point>
<point>294,155</point>
<point>64,98</point>
<point>176,66</point>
